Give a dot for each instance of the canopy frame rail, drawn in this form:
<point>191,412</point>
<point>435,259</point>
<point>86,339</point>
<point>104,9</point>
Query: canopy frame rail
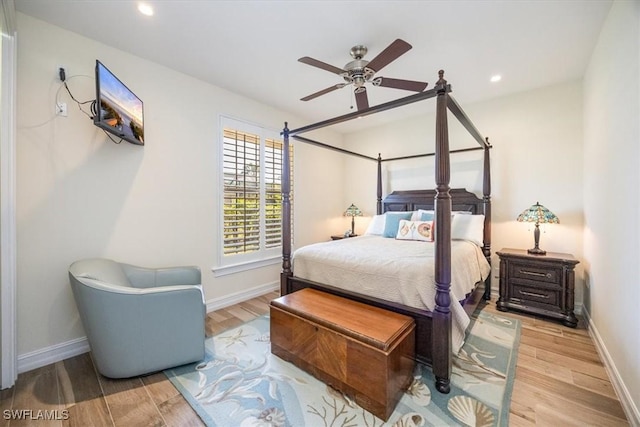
<point>371,110</point>
<point>462,117</point>
<point>331,147</point>
<point>379,159</point>
<point>416,156</point>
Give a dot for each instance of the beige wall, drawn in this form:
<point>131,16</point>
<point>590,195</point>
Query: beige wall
<point>80,195</point>
<point>536,156</point>
<point>612,195</point>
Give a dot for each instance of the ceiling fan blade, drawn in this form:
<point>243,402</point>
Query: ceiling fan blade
<point>321,65</point>
<point>362,100</point>
<point>390,54</point>
<point>322,92</point>
<point>400,84</point>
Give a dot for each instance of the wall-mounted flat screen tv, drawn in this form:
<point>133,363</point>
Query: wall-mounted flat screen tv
<point>118,110</point>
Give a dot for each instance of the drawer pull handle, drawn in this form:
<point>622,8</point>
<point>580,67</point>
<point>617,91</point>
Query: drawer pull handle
<point>533,273</point>
<point>533,294</point>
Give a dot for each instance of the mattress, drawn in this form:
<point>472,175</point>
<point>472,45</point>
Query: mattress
<point>400,271</point>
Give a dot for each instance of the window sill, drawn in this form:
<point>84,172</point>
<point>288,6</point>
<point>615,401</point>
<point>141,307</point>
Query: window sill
<point>244,266</point>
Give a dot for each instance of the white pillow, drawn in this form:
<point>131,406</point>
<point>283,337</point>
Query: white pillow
<point>415,230</point>
<point>376,226</point>
<point>468,227</point>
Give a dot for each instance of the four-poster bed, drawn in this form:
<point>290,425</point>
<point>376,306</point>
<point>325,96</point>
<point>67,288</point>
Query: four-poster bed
<point>433,327</point>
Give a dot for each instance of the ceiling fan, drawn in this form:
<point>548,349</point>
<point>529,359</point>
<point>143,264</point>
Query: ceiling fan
<point>360,71</point>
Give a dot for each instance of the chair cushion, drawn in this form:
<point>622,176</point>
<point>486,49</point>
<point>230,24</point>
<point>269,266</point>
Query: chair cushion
<point>101,269</point>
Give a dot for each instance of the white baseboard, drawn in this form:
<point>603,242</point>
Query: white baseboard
<point>628,405</point>
<point>55,353</point>
<point>225,301</point>
<point>578,309</point>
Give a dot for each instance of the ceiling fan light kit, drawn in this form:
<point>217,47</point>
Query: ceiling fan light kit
<point>359,71</point>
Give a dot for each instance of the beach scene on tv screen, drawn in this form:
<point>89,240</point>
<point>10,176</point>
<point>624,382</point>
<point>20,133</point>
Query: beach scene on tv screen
<point>120,108</point>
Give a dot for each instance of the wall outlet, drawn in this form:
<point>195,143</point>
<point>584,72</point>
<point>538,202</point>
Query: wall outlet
<point>61,109</point>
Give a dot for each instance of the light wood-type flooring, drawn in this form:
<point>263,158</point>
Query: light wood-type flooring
<point>560,381</point>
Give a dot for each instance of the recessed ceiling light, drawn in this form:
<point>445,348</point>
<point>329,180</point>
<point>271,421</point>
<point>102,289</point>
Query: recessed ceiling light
<point>496,78</point>
<point>145,9</point>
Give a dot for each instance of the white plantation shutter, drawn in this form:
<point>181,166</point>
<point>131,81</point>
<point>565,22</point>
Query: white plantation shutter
<point>241,164</point>
<point>273,195</point>
<point>252,200</point>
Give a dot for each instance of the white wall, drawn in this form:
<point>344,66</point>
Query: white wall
<point>612,195</point>
<point>536,156</point>
<point>80,195</point>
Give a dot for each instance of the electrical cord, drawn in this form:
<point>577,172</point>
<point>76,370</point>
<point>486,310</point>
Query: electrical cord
<point>112,140</point>
<point>79,103</point>
<point>93,104</point>
<point>39,124</point>
<point>93,107</point>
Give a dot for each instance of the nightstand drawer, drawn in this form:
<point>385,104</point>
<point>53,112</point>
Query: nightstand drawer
<point>538,274</point>
<point>535,294</point>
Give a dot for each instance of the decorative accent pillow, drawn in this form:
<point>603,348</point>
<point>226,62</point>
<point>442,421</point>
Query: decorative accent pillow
<point>468,227</point>
<point>422,215</point>
<point>376,226</point>
<point>391,222</point>
<point>415,230</point>
<point>426,215</point>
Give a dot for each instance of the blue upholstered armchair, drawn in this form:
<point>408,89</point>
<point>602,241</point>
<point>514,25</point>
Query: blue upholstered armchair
<point>139,320</point>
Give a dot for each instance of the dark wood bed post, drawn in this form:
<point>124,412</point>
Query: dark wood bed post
<point>286,213</point>
<point>441,343</point>
<point>379,193</point>
<point>486,199</point>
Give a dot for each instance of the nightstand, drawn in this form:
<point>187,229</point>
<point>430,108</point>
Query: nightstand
<point>538,284</point>
<point>341,236</point>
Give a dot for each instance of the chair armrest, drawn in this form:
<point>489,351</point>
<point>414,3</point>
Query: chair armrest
<point>116,289</point>
<point>141,277</point>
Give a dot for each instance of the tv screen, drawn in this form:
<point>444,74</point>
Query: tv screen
<point>119,111</point>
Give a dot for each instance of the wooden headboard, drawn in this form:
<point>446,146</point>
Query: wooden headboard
<point>411,200</point>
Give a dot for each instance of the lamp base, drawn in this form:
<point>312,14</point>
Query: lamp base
<point>536,239</point>
<point>536,251</point>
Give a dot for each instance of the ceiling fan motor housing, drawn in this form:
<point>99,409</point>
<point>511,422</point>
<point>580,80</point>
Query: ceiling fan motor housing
<point>356,70</point>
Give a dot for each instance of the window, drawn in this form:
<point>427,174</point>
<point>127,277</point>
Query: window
<point>251,208</point>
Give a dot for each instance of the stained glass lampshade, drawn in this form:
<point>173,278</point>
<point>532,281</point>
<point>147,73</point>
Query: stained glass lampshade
<point>540,215</point>
<point>353,211</point>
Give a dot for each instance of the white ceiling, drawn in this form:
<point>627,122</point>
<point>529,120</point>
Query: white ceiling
<point>252,47</point>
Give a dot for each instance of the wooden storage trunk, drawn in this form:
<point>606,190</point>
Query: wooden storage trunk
<point>363,351</point>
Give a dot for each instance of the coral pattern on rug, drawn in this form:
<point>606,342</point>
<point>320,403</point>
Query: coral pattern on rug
<point>240,383</point>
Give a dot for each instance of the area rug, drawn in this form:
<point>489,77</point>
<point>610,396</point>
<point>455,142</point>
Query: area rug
<point>241,384</point>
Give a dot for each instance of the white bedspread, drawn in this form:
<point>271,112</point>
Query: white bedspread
<point>400,271</point>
